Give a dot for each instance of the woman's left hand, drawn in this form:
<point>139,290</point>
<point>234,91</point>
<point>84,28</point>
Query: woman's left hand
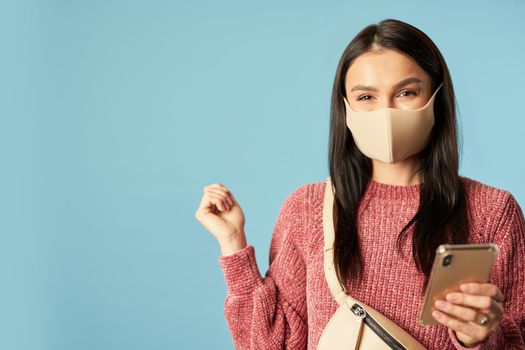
<point>473,313</point>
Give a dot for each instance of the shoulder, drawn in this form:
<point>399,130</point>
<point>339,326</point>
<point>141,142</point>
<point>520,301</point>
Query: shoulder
<point>291,228</point>
<point>484,196</point>
<point>306,194</point>
<point>482,192</point>
<point>490,205</point>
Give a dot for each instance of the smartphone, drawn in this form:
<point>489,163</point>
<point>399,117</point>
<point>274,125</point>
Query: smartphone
<point>454,265</point>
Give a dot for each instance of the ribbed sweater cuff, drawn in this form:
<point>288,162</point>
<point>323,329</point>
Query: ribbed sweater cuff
<point>241,273</point>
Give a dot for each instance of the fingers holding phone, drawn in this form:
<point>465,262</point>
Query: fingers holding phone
<point>459,295</point>
<point>473,313</point>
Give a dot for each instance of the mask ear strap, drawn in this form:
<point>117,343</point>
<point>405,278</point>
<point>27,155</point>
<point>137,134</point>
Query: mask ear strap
<point>439,87</point>
<point>433,96</point>
<point>346,103</point>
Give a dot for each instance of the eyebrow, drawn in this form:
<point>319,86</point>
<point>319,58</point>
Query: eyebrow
<point>398,85</point>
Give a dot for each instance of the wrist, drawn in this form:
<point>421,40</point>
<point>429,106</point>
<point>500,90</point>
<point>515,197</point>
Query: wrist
<point>468,345</point>
<point>231,245</point>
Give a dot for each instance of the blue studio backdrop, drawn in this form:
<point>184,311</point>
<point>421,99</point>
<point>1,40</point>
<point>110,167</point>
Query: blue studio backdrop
<point>116,114</point>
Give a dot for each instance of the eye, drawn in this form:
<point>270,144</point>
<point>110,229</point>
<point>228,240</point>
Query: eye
<point>409,92</point>
<point>362,98</point>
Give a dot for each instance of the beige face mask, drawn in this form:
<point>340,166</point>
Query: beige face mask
<point>391,134</point>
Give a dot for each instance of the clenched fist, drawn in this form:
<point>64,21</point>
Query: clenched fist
<point>220,214</point>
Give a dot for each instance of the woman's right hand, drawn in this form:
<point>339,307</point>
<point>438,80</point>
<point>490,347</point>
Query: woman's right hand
<point>222,216</point>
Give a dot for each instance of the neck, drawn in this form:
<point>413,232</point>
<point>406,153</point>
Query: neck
<point>401,173</point>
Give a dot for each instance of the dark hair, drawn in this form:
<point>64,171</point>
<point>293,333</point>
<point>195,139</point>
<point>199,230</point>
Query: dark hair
<point>442,213</point>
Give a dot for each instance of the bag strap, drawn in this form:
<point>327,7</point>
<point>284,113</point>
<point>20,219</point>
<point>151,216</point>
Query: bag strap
<point>337,290</point>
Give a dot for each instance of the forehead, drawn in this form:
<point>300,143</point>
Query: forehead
<point>382,68</point>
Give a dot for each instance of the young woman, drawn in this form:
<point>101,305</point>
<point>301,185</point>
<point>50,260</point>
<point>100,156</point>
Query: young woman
<point>399,196</point>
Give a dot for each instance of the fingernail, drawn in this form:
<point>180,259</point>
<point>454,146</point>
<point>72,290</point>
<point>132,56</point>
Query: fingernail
<point>436,315</point>
<point>464,287</point>
<point>452,297</point>
<point>441,304</point>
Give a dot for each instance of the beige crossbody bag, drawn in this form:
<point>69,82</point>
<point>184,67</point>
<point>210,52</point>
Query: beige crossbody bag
<point>354,325</point>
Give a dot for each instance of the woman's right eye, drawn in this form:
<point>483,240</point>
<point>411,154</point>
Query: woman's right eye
<point>362,98</point>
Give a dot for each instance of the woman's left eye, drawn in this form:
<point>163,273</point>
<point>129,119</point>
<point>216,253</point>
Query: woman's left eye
<point>409,92</point>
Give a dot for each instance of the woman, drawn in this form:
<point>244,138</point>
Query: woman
<point>399,196</point>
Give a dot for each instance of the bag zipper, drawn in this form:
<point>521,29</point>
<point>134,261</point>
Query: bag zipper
<point>380,331</point>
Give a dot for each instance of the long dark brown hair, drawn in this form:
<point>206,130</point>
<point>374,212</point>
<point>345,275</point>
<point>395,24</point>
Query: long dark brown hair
<point>442,213</point>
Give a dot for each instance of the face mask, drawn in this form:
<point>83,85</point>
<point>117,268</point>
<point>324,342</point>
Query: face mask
<point>391,134</point>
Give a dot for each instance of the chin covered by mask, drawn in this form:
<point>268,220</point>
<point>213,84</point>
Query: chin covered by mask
<point>391,134</point>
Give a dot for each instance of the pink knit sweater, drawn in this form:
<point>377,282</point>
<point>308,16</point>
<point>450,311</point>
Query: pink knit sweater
<point>291,305</point>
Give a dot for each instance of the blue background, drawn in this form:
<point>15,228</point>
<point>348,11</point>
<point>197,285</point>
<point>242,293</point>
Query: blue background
<point>116,114</point>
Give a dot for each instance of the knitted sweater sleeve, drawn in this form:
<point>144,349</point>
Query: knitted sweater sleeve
<point>269,312</point>
<point>508,275</point>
